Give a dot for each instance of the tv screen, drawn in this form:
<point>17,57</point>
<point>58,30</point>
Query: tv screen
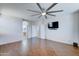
<point>53,25</point>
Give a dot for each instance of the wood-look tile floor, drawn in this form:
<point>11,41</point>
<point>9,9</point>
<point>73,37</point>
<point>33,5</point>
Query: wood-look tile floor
<point>38,47</point>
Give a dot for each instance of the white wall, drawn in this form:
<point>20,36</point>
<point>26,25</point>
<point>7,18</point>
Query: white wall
<point>64,32</point>
<point>68,31</point>
<point>10,29</point>
<point>76,26</point>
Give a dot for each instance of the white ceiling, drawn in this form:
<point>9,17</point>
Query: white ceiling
<point>20,9</point>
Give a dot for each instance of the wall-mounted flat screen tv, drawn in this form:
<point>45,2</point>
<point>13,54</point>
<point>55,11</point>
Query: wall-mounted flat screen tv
<point>53,25</point>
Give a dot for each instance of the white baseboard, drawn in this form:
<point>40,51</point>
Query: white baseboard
<point>9,42</point>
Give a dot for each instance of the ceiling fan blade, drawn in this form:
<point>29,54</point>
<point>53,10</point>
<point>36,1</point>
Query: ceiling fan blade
<point>33,11</point>
<point>55,11</point>
<point>51,15</point>
<point>39,7</point>
<point>0,14</point>
<point>35,14</point>
<point>45,17</point>
<point>51,6</point>
<point>39,16</point>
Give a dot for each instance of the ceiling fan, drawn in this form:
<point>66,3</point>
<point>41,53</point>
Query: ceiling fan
<point>45,12</point>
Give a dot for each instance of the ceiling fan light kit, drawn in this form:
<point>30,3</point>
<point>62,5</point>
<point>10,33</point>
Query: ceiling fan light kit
<point>44,13</point>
